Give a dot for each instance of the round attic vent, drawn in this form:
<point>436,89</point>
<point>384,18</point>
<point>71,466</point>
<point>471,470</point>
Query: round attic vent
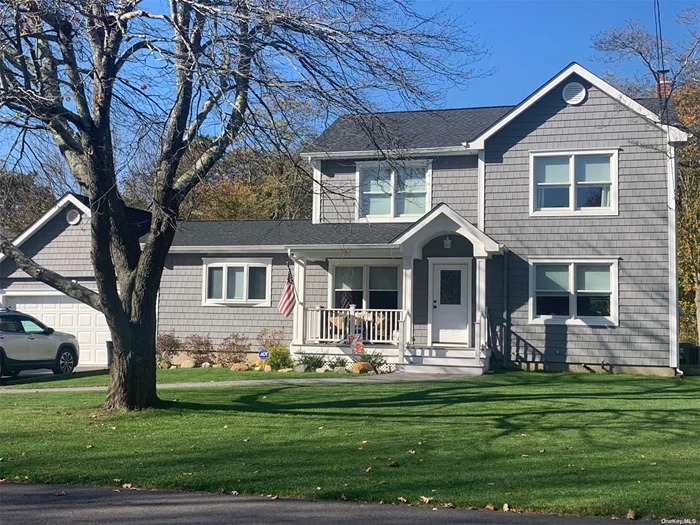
<point>573,93</point>
<point>73,217</point>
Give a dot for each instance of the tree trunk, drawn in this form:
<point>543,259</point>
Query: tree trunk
<point>697,307</point>
<point>132,377</point>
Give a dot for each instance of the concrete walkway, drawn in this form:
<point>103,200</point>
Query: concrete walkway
<point>72,505</point>
<point>396,377</point>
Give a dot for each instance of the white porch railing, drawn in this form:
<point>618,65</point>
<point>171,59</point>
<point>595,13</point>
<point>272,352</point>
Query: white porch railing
<point>336,325</point>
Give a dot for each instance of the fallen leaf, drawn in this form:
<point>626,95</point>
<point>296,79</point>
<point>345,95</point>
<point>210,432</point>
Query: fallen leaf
<point>490,484</point>
<point>393,463</point>
<point>365,442</point>
<point>563,448</point>
<point>90,446</point>
<point>320,428</point>
<point>62,493</point>
<point>489,507</point>
<point>368,469</point>
<point>525,456</point>
<point>245,440</point>
<point>275,497</point>
<point>434,508</point>
<point>631,515</point>
<point>653,463</point>
<point>360,448</point>
<point>318,488</point>
<point>523,435</point>
<point>116,480</point>
<point>401,499</point>
<point>448,505</point>
<point>343,497</point>
<point>411,451</point>
<point>506,508</point>
<point>113,428</point>
<point>382,482</point>
<point>426,500</point>
<point>234,493</point>
<point>541,451</point>
<point>93,416</point>
<point>225,426</point>
<point>127,485</point>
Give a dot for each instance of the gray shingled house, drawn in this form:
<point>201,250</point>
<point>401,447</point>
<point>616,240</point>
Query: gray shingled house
<point>542,233</point>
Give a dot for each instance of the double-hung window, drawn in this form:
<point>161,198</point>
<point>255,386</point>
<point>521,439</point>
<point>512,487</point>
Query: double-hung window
<point>400,191</point>
<point>574,292</point>
<point>366,286</point>
<point>581,183</point>
<point>237,282</point>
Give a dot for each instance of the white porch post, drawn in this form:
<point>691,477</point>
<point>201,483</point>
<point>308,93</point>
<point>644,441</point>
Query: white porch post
<point>407,300</point>
<point>480,335</point>
<point>299,323</point>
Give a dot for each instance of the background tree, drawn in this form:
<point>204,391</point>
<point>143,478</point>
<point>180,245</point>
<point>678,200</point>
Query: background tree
<point>633,42</point>
<point>23,199</point>
<point>107,79</point>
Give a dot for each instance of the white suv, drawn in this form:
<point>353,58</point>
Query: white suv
<point>27,344</point>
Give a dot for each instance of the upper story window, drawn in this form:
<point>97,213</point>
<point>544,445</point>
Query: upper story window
<point>578,183</point>
<point>397,192</point>
<point>574,292</point>
<point>237,282</point>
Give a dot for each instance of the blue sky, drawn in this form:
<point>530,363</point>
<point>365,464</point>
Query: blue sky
<point>530,41</point>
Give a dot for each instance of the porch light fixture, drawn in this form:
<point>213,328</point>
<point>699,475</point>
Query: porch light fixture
<point>447,242</point>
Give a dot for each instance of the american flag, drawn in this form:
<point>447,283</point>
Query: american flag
<point>287,301</point>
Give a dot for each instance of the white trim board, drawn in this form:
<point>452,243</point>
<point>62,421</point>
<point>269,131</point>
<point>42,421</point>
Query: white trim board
<point>69,198</point>
<point>673,306</point>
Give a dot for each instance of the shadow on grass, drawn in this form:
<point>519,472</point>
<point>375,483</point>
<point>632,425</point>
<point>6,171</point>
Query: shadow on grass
<point>50,378</point>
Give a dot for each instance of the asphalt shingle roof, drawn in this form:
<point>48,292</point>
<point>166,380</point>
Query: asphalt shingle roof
<point>284,233</point>
<point>422,129</point>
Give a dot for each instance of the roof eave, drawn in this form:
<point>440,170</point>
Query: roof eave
<point>465,149</point>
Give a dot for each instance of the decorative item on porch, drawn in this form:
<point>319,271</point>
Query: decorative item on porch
<point>356,344</point>
<point>288,299</point>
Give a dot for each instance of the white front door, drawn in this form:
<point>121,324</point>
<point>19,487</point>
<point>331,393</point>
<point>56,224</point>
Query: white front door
<point>451,287</point>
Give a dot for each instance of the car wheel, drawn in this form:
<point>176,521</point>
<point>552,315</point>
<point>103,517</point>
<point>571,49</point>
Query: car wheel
<point>65,362</point>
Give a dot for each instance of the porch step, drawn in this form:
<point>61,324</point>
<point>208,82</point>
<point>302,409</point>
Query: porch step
<point>447,370</point>
<point>467,360</point>
<point>442,353</point>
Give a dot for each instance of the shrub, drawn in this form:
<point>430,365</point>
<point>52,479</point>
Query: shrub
<point>232,350</point>
<point>271,338</point>
<point>280,357</point>
<point>338,362</point>
<point>167,345</point>
<point>311,361</point>
<point>200,348</point>
<point>375,359</point>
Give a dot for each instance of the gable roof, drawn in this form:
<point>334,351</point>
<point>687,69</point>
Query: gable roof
<point>280,233</point>
<point>455,130</point>
<point>67,199</point>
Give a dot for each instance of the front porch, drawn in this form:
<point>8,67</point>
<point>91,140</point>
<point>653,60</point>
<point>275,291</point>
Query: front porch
<point>420,301</point>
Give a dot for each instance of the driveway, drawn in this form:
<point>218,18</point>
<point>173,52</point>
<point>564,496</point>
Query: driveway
<point>22,504</point>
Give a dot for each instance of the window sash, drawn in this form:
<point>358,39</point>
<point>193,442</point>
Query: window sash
<point>366,290</point>
<point>574,291</point>
<point>226,271</point>
<point>394,192</point>
<point>575,181</point>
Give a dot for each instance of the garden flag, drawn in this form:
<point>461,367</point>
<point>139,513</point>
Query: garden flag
<point>287,301</point>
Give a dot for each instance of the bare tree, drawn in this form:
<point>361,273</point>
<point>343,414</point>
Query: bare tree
<point>671,72</point>
<point>102,78</point>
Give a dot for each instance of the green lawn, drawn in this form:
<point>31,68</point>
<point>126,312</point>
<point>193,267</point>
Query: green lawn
<point>177,375</point>
<point>555,443</point>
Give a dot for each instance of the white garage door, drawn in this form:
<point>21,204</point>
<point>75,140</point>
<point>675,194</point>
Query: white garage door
<point>64,314</point>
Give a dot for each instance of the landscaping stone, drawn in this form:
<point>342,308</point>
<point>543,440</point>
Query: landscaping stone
<point>300,368</point>
<point>239,367</point>
<point>340,370</point>
<point>217,365</point>
<point>285,370</point>
<point>321,370</point>
<point>206,365</point>
<point>362,367</point>
<point>267,368</point>
<point>172,366</point>
<point>179,358</point>
<point>164,365</point>
<point>188,363</point>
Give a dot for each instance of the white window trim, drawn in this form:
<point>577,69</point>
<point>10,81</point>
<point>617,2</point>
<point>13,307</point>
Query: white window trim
<point>611,320</point>
<point>427,164</point>
<point>572,210</point>
<point>365,264</point>
<point>246,264</point>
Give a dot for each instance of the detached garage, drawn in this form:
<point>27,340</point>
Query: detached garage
<point>60,241</point>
